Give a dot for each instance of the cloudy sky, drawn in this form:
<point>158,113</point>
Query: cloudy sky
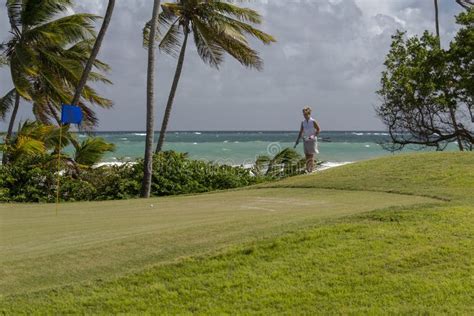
<point>329,55</point>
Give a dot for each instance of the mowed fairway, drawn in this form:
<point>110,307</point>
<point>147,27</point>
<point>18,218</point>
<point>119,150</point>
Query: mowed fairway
<point>98,240</point>
<point>392,235</point>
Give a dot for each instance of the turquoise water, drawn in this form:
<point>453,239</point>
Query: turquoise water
<point>237,148</point>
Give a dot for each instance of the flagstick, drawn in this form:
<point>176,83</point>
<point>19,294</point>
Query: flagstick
<point>59,166</point>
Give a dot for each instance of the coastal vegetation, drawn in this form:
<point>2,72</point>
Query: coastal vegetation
<point>389,235</point>
<point>33,177</point>
<point>46,53</point>
<point>427,92</point>
<point>284,163</point>
<point>218,28</point>
<point>51,55</point>
<point>39,154</point>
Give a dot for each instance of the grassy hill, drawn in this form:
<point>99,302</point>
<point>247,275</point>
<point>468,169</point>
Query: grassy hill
<point>444,175</point>
<point>388,235</point>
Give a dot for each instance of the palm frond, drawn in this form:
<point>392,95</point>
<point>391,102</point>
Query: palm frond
<point>243,14</point>
<point>64,31</point>
<point>56,137</point>
<point>171,41</point>
<point>25,146</point>
<point>261,163</point>
<point>25,58</point>
<point>209,51</point>
<point>36,12</point>
<point>56,87</point>
<point>92,150</point>
<point>41,112</point>
<point>14,8</point>
<point>166,19</point>
<point>81,51</point>
<point>6,103</point>
<point>171,9</point>
<point>90,118</point>
<point>466,4</point>
<point>240,51</point>
<point>241,27</point>
<point>54,63</point>
<point>94,98</point>
<point>97,77</point>
<point>20,81</point>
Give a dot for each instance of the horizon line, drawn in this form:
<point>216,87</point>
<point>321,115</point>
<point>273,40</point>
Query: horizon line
<point>227,131</point>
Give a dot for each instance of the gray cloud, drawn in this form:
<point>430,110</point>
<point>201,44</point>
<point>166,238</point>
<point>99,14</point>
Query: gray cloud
<point>329,55</point>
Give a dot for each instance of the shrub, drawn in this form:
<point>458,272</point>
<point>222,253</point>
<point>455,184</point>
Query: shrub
<point>174,173</point>
<point>113,182</point>
<point>35,179</point>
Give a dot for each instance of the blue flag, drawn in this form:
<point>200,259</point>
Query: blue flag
<point>71,114</point>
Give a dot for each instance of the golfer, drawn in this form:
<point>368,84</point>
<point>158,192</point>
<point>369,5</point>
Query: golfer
<point>309,131</point>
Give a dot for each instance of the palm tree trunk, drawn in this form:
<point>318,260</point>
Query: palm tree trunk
<point>95,52</point>
<point>150,104</point>
<point>437,18</point>
<point>10,126</point>
<point>169,105</point>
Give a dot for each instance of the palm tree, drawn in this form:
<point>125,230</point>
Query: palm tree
<point>285,163</point>
<point>46,58</point>
<point>150,102</point>
<point>35,33</point>
<point>36,139</point>
<point>91,151</point>
<point>48,97</point>
<point>94,52</point>
<point>218,27</point>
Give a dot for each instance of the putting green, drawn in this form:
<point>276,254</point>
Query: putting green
<point>87,241</point>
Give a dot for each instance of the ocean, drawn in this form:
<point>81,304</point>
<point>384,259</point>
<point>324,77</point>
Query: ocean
<point>242,148</point>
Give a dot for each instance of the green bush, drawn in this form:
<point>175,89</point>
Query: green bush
<point>113,182</point>
<point>35,179</point>
<point>28,182</point>
<point>174,173</point>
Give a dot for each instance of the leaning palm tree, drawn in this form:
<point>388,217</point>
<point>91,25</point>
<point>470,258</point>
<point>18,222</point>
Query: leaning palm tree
<point>218,27</point>
<point>35,34</point>
<point>94,52</point>
<point>60,85</point>
<point>150,102</point>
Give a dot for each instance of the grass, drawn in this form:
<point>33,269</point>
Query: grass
<point>442,175</point>
<point>99,240</point>
<point>307,244</point>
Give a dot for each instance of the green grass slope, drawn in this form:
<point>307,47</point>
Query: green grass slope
<point>443,175</point>
<point>412,255</point>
